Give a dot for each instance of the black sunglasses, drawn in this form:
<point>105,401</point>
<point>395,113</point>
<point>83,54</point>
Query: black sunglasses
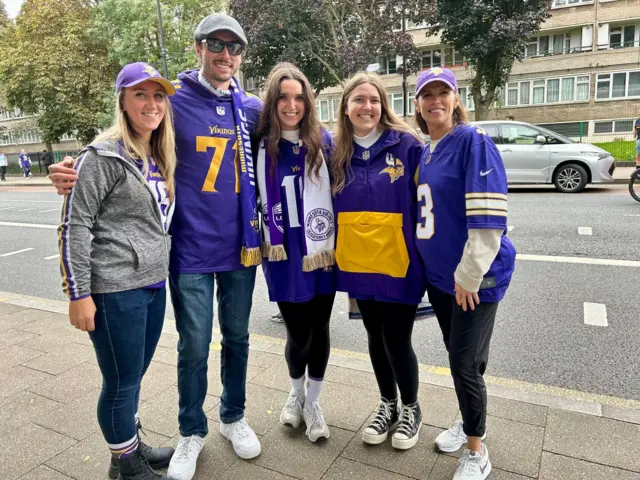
<point>215,45</point>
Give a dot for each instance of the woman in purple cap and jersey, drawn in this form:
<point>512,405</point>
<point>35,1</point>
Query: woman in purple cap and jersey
<point>468,259</point>
<point>114,256</point>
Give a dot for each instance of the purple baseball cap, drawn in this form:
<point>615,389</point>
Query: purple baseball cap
<point>135,73</point>
<point>436,74</point>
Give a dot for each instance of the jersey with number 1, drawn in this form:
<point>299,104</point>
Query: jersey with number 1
<point>462,185</point>
<point>207,224</point>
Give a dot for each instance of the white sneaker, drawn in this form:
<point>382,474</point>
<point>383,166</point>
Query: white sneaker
<point>244,439</point>
<point>451,440</point>
<point>473,465</point>
<point>292,411</point>
<point>316,425</point>
<point>183,462</point>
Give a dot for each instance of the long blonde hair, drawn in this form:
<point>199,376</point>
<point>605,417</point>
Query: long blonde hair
<point>163,142</point>
<point>269,125</point>
<point>341,160</point>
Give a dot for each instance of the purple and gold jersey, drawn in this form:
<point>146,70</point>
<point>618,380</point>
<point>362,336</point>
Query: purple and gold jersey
<point>285,279</point>
<point>463,185</point>
<point>206,228</point>
<point>376,249</point>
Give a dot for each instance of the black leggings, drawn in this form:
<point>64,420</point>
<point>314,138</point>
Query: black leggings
<point>467,336</point>
<point>308,341</point>
<point>389,327</point>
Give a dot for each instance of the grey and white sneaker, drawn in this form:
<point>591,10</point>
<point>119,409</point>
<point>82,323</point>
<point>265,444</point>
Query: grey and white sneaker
<point>292,411</point>
<point>316,425</point>
<point>244,440</point>
<point>385,420</point>
<point>451,440</point>
<point>473,465</point>
<point>408,431</point>
<point>183,462</point>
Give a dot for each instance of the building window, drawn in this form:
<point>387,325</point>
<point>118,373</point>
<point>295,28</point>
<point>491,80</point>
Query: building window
<point>322,107</point>
<point>250,83</point>
<point>412,26</point>
<point>6,137</point>
<point>411,108</point>
<point>562,3</point>
<point>568,129</point>
<point>388,65</point>
<point>545,91</point>
<point>452,57</point>
<point>395,102</point>
<point>613,126</point>
<point>335,104</point>
<point>6,114</point>
<point>431,58</point>
<point>620,37</point>
<point>618,85</point>
<point>466,98</point>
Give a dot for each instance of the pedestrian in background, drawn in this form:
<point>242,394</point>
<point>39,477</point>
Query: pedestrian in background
<point>47,160</point>
<point>114,256</point>
<point>3,167</point>
<point>636,131</point>
<point>25,163</point>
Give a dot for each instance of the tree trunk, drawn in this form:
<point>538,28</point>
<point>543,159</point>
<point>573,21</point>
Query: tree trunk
<point>482,111</point>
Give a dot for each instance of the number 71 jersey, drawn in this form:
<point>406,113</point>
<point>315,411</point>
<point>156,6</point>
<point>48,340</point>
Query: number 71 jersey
<point>207,227</point>
<point>462,185</point>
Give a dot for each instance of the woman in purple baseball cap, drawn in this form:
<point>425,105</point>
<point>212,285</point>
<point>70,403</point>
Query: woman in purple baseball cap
<point>468,259</point>
<point>114,256</point>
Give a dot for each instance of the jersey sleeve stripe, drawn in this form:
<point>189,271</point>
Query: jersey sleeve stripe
<point>496,195</point>
<point>486,203</point>
<point>491,213</point>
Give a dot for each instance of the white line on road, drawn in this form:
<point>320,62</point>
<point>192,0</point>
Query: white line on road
<point>595,314</point>
<point>32,201</point>
<point>585,231</point>
<point>6,208</point>
<point>52,210</point>
<point>26,210</point>
<point>631,215</point>
<point>28,225</point>
<point>16,252</point>
<point>581,260</point>
<point>52,257</point>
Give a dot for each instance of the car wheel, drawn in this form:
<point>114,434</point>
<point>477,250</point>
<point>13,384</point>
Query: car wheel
<point>570,178</point>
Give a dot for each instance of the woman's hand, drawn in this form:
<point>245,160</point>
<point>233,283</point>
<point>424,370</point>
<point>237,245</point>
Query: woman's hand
<point>63,176</point>
<point>82,314</point>
<point>464,298</point>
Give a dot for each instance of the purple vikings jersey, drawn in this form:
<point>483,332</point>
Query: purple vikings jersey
<point>206,229</point>
<point>285,279</point>
<point>161,194</point>
<point>376,249</point>
<point>463,185</point>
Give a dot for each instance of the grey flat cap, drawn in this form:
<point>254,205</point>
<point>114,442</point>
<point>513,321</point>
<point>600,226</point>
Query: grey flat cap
<point>217,22</point>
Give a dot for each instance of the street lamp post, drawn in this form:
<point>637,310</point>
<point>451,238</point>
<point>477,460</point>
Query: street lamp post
<point>163,50</point>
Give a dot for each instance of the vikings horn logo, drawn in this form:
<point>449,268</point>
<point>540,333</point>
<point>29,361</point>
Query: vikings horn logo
<point>395,168</point>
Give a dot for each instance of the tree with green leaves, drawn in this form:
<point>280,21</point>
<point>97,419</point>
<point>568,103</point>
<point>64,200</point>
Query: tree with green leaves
<point>4,18</point>
<point>130,27</point>
<point>50,65</point>
<point>491,35</point>
<point>328,40</point>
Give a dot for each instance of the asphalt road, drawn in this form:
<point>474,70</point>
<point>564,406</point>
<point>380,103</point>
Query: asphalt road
<point>540,336</point>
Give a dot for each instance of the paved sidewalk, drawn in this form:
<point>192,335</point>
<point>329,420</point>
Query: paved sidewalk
<point>49,383</point>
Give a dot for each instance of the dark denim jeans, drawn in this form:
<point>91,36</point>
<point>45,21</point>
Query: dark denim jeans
<point>128,327</point>
<point>192,298</point>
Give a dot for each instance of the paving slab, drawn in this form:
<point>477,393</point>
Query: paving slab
<point>62,359</point>
<point>415,463</point>
<point>347,407</point>
<point>19,378</point>
<point>44,473</point>
<point>594,439</point>
<point>9,309</point>
<point>15,355</point>
<point>13,336</point>
<point>276,376</point>
<point>71,384</point>
<point>355,378</point>
<point>559,467</point>
<point>630,415</point>
<point>521,412</point>
<point>29,447</point>
<point>11,321</point>
<point>246,470</point>
<point>263,359</point>
<point>166,355</point>
<point>344,469</point>
<point>290,452</point>
<point>22,408</point>
<point>77,419</point>
<point>439,405</point>
<point>157,379</point>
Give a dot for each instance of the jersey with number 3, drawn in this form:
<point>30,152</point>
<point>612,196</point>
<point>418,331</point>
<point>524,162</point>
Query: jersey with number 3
<point>462,185</point>
<point>207,225</point>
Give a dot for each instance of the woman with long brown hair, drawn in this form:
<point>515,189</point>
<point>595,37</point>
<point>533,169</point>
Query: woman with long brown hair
<point>376,156</point>
<point>298,231</point>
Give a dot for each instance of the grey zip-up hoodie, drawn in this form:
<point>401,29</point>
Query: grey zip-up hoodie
<point>111,237</point>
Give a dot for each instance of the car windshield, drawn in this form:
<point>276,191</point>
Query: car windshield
<point>549,133</point>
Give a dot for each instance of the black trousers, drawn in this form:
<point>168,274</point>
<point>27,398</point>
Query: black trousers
<point>389,327</point>
<point>308,341</point>
<point>467,336</point>
<point>3,171</point>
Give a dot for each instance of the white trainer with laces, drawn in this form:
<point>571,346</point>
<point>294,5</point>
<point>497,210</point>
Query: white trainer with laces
<point>316,425</point>
<point>183,462</point>
<point>473,465</point>
<point>242,437</point>
<point>292,411</point>
<point>451,440</point>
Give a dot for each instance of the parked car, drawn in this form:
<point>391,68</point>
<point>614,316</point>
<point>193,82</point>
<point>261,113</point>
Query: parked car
<point>533,154</point>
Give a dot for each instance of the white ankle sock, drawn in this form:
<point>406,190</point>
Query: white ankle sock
<point>298,384</point>
<point>313,390</point>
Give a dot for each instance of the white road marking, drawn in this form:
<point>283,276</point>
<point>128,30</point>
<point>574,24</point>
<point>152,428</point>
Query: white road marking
<point>33,201</point>
<point>585,231</point>
<point>631,215</point>
<point>16,252</point>
<point>28,225</point>
<point>595,314</point>
<point>6,208</point>
<point>26,210</point>
<point>580,260</point>
<point>52,210</point>
<point>57,255</point>
<point>510,228</point>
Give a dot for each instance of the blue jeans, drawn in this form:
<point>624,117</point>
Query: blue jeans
<point>128,327</point>
<point>192,298</point>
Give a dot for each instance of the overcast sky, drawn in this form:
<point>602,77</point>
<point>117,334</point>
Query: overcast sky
<point>13,7</point>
